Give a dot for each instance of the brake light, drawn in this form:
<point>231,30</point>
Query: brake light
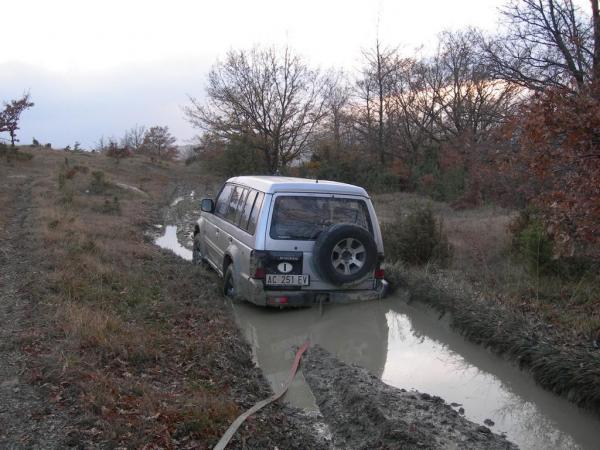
<point>257,266</point>
<point>379,273</point>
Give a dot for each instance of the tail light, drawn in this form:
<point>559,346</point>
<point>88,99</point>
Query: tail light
<point>379,273</point>
<point>257,264</point>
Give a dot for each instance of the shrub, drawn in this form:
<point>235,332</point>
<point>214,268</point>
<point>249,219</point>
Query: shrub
<point>363,172</point>
<point>417,239</point>
<point>532,243</point>
<point>98,184</point>
<point>13,154</point>
<point>116,152</point>
<point>111,207</point>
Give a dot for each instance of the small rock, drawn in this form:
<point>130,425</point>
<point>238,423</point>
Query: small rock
<point>484,430</point>
<point>426,396</point>
<point>461,410</point>
<point>489,422</point>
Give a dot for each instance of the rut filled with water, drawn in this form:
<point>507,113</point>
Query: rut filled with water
<point>408,346</point>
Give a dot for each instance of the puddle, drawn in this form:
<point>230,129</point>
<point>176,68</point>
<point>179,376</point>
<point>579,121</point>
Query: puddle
<point>131,188</point>
<point>408,347</point>
<point>170,242</point>
<point>177,200</point>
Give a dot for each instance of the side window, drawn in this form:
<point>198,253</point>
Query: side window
<point>233,203</point>
<point>223,200</point>
<point>247,209</point>
<point>255,212</point>
<point>240,207</point>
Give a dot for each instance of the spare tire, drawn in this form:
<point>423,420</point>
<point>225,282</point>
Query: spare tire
<point>344,253</point>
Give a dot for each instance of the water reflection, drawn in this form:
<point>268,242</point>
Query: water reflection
<point>273,334</point>
<point>409,347</point>
<point>169,241</point>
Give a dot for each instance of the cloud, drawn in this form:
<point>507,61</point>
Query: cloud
<point>97,68</point>
<point>71,107</point>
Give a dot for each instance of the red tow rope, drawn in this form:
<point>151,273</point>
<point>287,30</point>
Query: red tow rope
<point>237,422</point>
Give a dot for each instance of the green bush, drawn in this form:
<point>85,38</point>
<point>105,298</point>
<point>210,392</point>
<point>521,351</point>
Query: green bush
<point>363,172</point>
<point>237,157</point>
<point>532,244</point>
<point>417,239</point>
<point>98,184</point>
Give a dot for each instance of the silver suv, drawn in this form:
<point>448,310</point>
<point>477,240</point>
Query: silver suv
<point>282,241</point>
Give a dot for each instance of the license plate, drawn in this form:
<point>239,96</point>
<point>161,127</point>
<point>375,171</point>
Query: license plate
<point>287,280</point>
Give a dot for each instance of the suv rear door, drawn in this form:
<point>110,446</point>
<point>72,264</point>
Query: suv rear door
<point>306,219</point>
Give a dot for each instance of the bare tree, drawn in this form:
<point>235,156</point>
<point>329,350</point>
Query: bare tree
<point>337,101</point>
<point>134,138</point>
<point>270,97</point>
<point>546,43</point>
<point>9,117</point>
<point>469,100</point>
<point>596,27</point>
<point>373,92</point>
<point>101,144</point>
<point>159,143</point>
<point>415,108</point>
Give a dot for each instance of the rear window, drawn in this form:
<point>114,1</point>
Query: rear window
<point>303,217</point>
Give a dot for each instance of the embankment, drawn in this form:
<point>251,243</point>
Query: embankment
<point>563,367</point>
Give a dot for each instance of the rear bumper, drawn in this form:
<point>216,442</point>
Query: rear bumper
<point>299,298</point>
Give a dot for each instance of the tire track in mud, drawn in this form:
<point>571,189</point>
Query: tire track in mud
<point>27,420</point>
<point>346,415</point>
<point>364,413</point>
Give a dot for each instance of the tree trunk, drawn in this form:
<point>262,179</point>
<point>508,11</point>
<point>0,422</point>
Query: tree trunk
<point>596,60</point>
<point>380,111</point>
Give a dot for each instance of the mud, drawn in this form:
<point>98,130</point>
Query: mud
<point>365,413</point>
<point>405,347</point>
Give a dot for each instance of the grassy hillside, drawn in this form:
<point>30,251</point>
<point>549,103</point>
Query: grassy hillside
<point>138,348</point>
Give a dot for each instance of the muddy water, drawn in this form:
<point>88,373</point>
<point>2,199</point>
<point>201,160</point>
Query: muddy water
<point>169,241</point>
<point>409,347</point>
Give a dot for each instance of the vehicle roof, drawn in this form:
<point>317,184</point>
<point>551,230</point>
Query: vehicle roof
<point>274,184</point>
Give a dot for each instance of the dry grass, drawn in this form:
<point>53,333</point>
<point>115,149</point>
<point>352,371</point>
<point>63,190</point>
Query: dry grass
<point>568,369</point>
<point>480,240</point>
<point>124,328</point>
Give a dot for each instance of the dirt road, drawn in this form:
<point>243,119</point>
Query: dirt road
<point>27,419</point>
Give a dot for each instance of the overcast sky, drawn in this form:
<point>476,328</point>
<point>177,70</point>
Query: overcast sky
<point>95,68</point>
